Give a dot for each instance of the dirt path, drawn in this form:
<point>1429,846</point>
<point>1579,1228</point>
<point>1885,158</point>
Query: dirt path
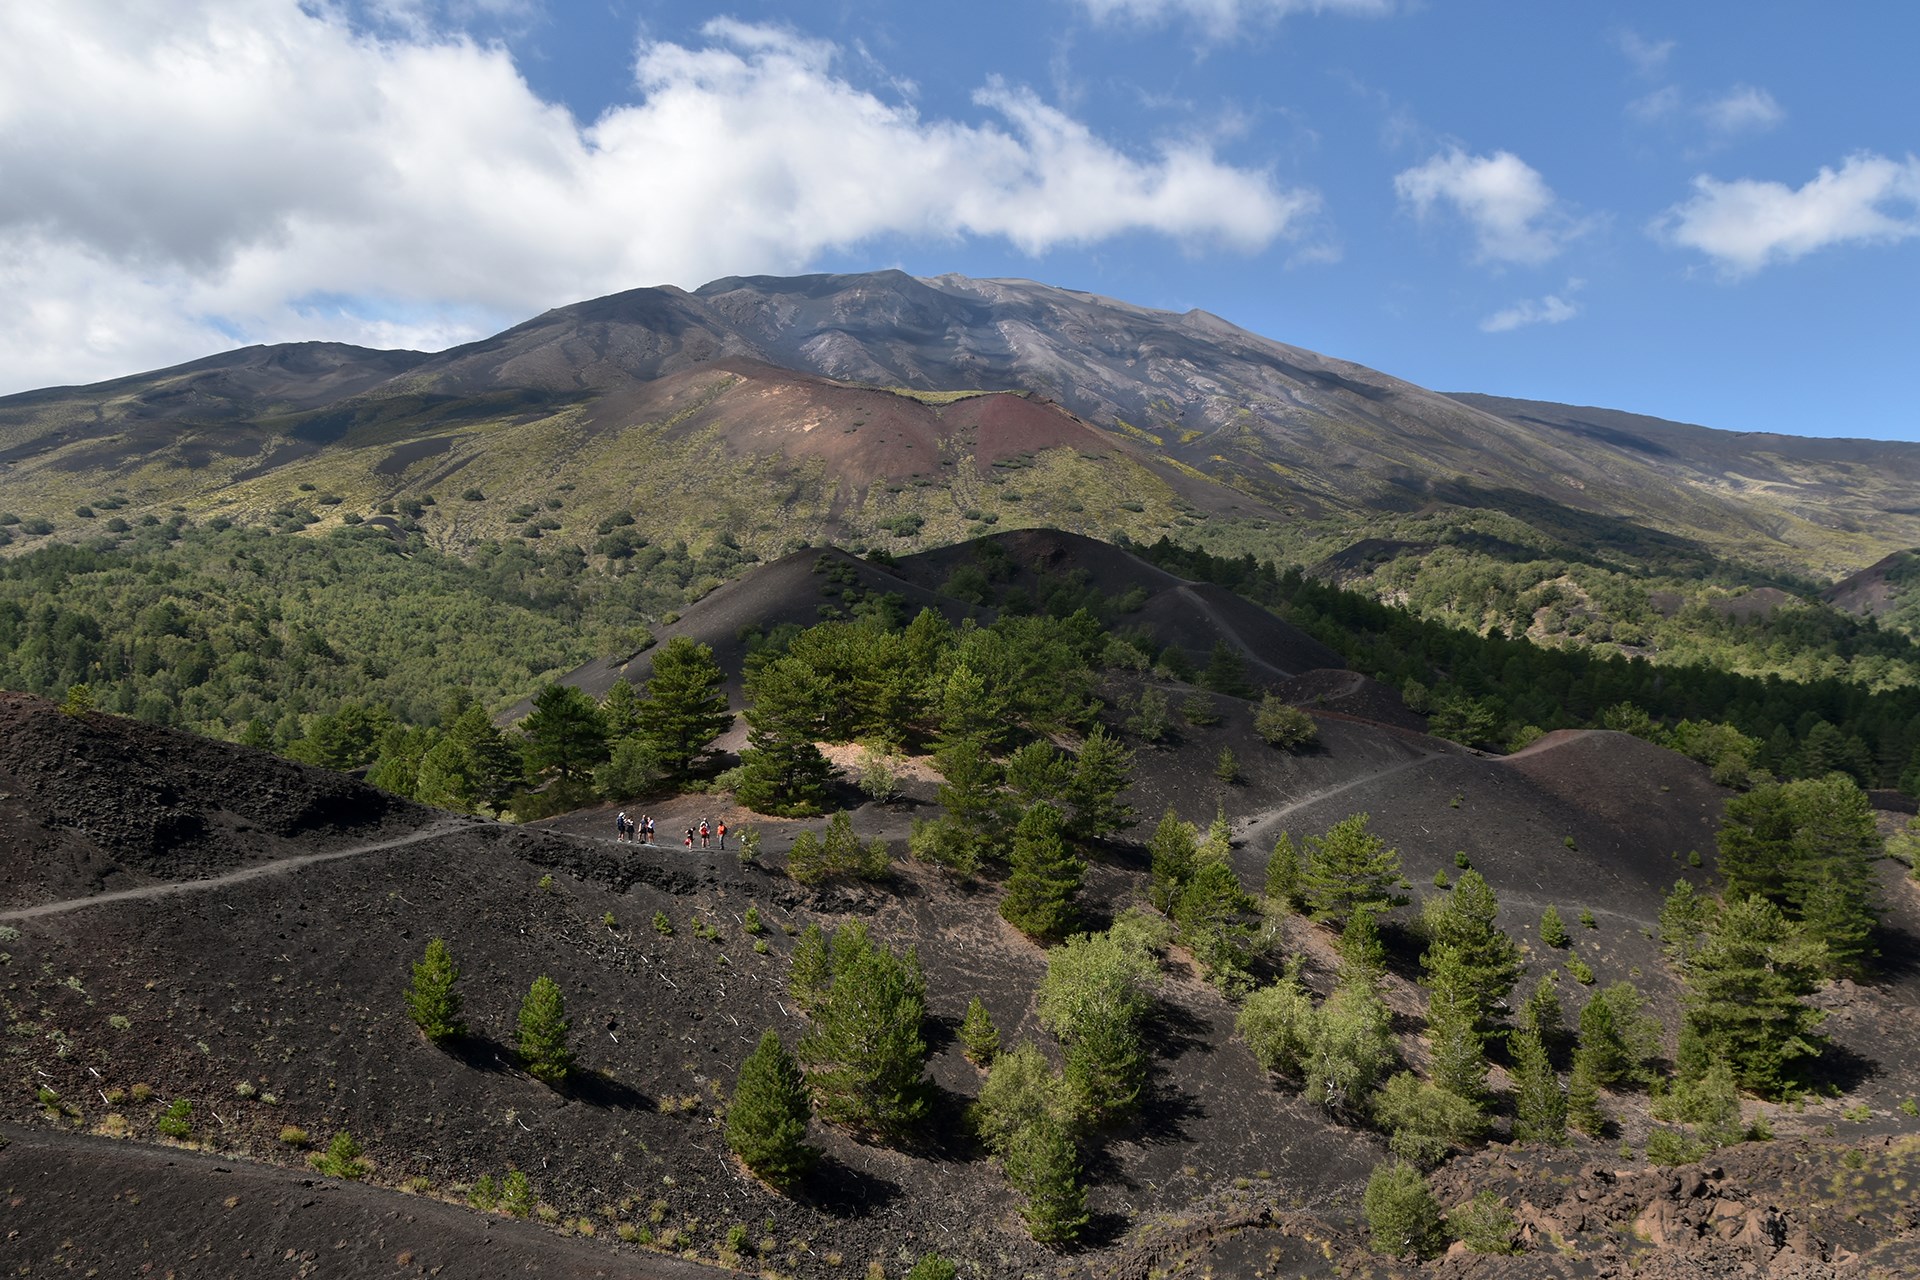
<point>1260,826</point>
<point>1199,602</point>
<point>279,866</point>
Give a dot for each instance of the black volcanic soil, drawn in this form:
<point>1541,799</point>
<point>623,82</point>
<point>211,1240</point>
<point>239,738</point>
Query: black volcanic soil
<point>265,990</point>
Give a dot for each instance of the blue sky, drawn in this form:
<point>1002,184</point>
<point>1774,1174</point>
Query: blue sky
<point>1708,212</point>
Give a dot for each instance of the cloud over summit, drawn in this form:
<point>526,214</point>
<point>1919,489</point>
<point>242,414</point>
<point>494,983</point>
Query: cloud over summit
<point>182,176</point>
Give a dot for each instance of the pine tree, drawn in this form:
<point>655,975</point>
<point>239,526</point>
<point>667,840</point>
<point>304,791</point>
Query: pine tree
<point>1809,847</point>
<point>1227,671</point>
<point>1684,917</point>
<point>1362,952</point>
<point>1038,773</point>
<point>491,767</point>
<point>1553,932</point>
<point>1044,886</point>
<point>1283,872</point>
<point>971,707</point>
<point>1745,994</point>
<point>1214,915</point>
<point>1459,1052</point>
<point>1583,1097</point>
<point>543,1032</point>
<point>1539,1103</point>
<point>1603,1045</point>
<point>1100,773</point>
<point>972,804</point>
<point>767,1119</point>
<point>684,708</point>
<point>809,970</point>
<point>620,708</point>
<point>1466,951</point>
<point>865,1052</point>
<point>1542,1016</point>
<point>432,1002</point>
<point>781,770</point>
<point>1043,1165</point>
<point>1172,851</point>
<point>564,733</point>
<point>1348,868</point>
<point>979,1038</point>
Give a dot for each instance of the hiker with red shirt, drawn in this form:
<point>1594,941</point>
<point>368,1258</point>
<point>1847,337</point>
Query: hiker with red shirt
<point>722,832</point>
<point>705,833</point>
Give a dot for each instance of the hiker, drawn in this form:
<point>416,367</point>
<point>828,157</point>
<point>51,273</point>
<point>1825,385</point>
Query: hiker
<point>620,827</point>
<point>722,832</point>
<point>646,826</point>
<point>632,828</point>
<point>705,833</point>
<point>689,837</point>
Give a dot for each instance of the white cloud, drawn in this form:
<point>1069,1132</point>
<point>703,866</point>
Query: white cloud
<point>1746,224</point>
<point>1742,108</point>
<point>1514,214</point>
<point>1221,18</point>
<point>1649,57</point>
<point>182,177</point>
<point>1555,308</point>
<point>1658,105</point>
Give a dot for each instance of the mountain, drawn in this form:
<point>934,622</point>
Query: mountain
<point>850,408</point>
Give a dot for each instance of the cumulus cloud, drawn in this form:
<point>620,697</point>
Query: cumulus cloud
<point>1220,18</point>
<point>182,177</point>
<point>1745,224</point>
<point>1514,214</point>
<point>1741,109</point>
<point>1555,308</point>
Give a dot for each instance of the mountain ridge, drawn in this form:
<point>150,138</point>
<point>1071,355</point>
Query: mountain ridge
<point>1216,415</point>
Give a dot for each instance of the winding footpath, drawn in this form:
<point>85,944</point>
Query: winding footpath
<point>1260,826</point>
<point>279,866</point>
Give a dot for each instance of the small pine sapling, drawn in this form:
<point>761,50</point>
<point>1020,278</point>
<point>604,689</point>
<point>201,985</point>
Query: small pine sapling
<point>543,1032</point>
<point>979,1038</point>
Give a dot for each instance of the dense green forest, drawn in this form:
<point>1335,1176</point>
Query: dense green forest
<point>241,632</point>
<point>1497,691</point>
<point>230,631</point>
<point>1573,579</point>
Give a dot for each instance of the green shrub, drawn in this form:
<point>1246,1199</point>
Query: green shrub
<point>1424,1120</point>
<point>1402,1216</point>
<point>931,1266</point>
<point>1283,726</point>
<point>484,1195</point>
<point>662,925</point>
<point>175,1122</point>
<point>341,1158</point>
<point>1671,1146</point>
<point>516,1194</point>
<point>1484,1224</point>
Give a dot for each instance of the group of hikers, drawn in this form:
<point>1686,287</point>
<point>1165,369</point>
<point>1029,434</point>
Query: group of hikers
<point>629,831</point>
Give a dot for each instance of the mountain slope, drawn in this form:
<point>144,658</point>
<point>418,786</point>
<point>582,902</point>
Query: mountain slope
<point>1206,419</point>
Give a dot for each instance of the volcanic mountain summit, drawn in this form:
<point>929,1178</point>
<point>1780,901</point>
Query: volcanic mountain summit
<point>837,407</point>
